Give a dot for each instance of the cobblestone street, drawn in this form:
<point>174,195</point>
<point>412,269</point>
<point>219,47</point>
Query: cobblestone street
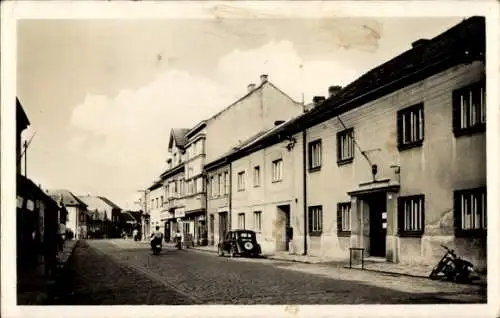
<point>125,272</point>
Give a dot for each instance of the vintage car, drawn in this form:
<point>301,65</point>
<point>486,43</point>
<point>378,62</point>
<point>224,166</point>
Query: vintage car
<point>239,242</point>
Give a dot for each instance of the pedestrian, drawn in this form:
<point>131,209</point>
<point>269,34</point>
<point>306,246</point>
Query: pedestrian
<point>134,234</point>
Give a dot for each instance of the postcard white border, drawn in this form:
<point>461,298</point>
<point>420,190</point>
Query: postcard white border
<point>15,10</point>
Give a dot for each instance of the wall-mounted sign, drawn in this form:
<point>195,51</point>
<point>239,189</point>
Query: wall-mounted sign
<point>20,201</point>
<point>384,215</point>
<point>30,205</point>
<point>179,213</point>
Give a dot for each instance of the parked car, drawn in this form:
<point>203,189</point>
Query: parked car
<point>239,242</point>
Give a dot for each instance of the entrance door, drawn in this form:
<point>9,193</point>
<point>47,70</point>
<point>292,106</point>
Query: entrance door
<point>284,218</point>
<point>378,224</point>
<point>211,229</point>
<point>222,225</point>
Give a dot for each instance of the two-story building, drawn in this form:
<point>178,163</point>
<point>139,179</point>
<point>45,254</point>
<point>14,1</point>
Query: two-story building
<point>173,180</point>
<point>103,216</point>
<point>259,109</point>
<point>394,162</point>
<point>77,212</point>
<point>156,202</point>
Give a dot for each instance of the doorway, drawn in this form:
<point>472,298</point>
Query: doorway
<point>212,229</point>
<point>283,229</point>
<point>378,223</point>
<point>222,225</point>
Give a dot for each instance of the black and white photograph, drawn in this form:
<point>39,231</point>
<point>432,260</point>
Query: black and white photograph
<point>243,154</point>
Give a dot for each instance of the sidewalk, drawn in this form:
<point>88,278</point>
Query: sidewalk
<point>420,271</point>
<point>34,288</point>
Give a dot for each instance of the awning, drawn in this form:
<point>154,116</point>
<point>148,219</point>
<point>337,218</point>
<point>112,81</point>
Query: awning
<point>386,185</point>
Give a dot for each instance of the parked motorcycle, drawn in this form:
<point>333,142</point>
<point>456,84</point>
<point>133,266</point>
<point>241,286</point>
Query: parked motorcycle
<point>454,268</point>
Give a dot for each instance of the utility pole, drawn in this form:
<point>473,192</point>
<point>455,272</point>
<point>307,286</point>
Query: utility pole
<point>143,225</point>
<point>26,159</point>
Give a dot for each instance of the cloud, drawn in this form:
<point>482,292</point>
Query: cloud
<point>130,131</point>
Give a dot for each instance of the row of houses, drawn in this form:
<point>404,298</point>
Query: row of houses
<point>393,163</point>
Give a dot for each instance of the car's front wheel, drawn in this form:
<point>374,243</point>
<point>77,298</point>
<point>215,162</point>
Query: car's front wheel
<point>220,251</point>
<point>232,251</point>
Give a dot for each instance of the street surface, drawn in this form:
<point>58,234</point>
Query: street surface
<point>123,272</point>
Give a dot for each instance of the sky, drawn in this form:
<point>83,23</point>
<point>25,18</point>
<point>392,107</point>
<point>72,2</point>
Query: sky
<point>103,95</point>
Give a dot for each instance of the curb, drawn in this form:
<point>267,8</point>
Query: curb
<point>410,275</point>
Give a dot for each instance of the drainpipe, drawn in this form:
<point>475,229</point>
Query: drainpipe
<point>206,204</point>
<point>230,195</point>
<point>304,185</point>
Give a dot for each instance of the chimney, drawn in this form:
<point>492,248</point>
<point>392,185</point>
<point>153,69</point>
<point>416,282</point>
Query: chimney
<point>251,87</point>
<point>278,122</point>
<point>334,90</point>
<point>263,78</point>
<point>318,100</point>
<point>419,42</point>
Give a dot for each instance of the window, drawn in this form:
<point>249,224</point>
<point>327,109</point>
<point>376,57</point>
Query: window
<point>186,227</point>
<point>157,203</point>
<point>162,200</point>
<point>257,221</point>
<point>315,155</point>
<point>411,214</point>
<point>469,109</point>
<point>195,150</point>
<point>241,181</point>
<point>345,146</point>
<point>315,219</point>
<point>216,186</point>
<point>344,219</point>
<point>190,187</point>
<point>410,126</point>
<point>277,170</point>
<point>221,185</point>
<point>241,221</point>
<point>212,186</point>
<point>470,211</point>
<point>256,176</point>
<point>190,172</point>
<point>226,182</point>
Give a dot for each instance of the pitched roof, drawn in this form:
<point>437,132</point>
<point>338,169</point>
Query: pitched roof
<point>179,136</point>
<point>22,120</point>
<point>68,198</point>
<point>256,89</point>
<point>98,203</point>
<point>462,43</point>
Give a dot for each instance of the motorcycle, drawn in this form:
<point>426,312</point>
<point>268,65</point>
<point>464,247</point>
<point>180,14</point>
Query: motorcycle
<point>156,247</point>
<point>453,268</point>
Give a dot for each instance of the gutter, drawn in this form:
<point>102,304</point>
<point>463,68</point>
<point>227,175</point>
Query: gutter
<point>230,195</point>
<point>304,186</point>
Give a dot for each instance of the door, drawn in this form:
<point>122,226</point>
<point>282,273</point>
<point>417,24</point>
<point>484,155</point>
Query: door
<point>211,228</point>
<point>378,224</point>
<point>286,231</point>
<point>222,225</point>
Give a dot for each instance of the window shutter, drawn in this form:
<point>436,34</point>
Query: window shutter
<point>400,216</point>
<point>456,111</point>
<point>309,220</point>
<point>423,215</point>
<point>399,128</point>
<point>457,217</point>
<point>339,219</point>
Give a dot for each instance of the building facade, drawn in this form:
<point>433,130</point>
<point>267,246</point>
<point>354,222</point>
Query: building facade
<point>393,163</point>
<point>261,109</point>
<point>76,220</point>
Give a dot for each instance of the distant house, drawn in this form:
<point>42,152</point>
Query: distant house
<point>77,211</point>
<point>101,208</point>
<point>103,216</point>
